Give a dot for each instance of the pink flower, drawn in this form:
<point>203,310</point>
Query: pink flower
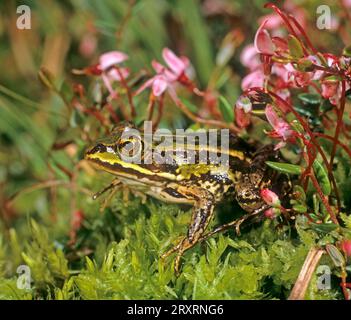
<point>281,128</point>
<point>250,58</point>
<point>272,21</point>
<point>87,45</point>
<point>158,84</point>
<point>118,75</point>
<point>347,3</point>
<point>284,94</point>
<point>166,78</point>
<point>253,79</point>
<point>242,118</point>
<point>271,213</point>
<point>270,198</point>
<point>110,72</point>
<point>329,88</point>
<point>263,41</point>
<point>281,45</point>
<point>346,247</point>
<point>178,65</point>
<point>283,71</point>
<point>297,12</point>
<point>108,59</point>
<point>244,103</point>
<point>302,79</point>
<point>242,110</point>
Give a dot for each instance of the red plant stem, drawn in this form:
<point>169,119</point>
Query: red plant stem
<point>298,26</point>
<point>315,87</point>
<point>96,113</point>
<point>198,119</point>
<point>339,121</point>
<point>328,70</point>
<point>311,156</point>
<point>345,130</point>
<point>324,199</point>
<point>150,107</point>
<point>313,140</point>
<point>112,113</point>
<point>160,111</point>
<point>287,22</point>
<point>342,145</point>
<point>344,285</point>
<point>129,94</point>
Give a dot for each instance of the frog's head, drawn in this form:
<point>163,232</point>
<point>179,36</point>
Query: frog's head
<point>123,145</point>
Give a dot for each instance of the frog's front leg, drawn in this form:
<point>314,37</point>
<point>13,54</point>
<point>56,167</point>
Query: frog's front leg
<point>202,214</point>
<point>114,184</point>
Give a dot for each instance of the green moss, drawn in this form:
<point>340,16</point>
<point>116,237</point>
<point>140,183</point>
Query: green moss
<point>263,263</point>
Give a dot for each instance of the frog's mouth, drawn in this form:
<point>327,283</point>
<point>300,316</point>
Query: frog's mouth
<point>132,174</point>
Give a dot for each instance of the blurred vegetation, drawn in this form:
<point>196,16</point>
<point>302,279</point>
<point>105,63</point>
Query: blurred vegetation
<point>116,252</point>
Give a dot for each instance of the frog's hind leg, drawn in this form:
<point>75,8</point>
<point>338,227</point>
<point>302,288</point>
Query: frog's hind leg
<point>234,224</point>
<point>201,217</point>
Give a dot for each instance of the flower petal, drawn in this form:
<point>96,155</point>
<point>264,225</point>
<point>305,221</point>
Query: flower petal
<point>159,86</point>
<point>249,57</point>
<point>147,84</point>
<point>244,103</point>
<point>270,197</point>
<point>175,63</point>
<point>263,41</point>
<point>108,85</point>
<point>111,58</point>
<point>253,79</point>
<point>242,118</point>
<point>158,67</point>
<point>346,247</point>
<point>281,128</point>
<point>113,74</point>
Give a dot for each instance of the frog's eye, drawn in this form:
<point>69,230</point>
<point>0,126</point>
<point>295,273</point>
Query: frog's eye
<point>130,149</point>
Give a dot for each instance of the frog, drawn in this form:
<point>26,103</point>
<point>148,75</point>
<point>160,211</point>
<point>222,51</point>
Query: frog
<point>202,185</point>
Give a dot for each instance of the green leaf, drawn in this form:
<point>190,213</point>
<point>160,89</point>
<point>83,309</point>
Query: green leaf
<point>324,227</point>
<point>189,105</point>
<point>347,219</point>
<point>347,51</point>
<point>285,167</point>
<point>322,177</point>
<point>326,106</point>
<point>300,208</point>
<point>47,78</point>
<point>226,109</point>
<point>304,64</point>
<point>301,193</point>
<point>198,36</point>
<point>310,98</point>
<point>66,91</point>
<point>316,203</point>
<point>295,47</point>
<point>335,255</point>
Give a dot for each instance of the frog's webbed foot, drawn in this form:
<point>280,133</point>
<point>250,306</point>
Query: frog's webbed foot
<point>201,217</point>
